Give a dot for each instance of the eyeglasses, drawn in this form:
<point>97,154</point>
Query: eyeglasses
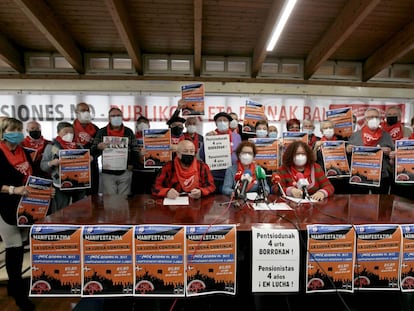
<point>116,115</point>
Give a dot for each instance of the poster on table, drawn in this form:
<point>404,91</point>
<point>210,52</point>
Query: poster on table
<point>159,260</point>
<point>404,161</point>
<point>290,137</point>
<point>330,258</point>
<point>378,257</point>
<point>115,155</point>
<point>267,155</point>
<point>108,268</point>
<point>56,268</point>
<point>275,261</point>
<point>217,151</point>
<point>157,146</point>
<point>366,164</point>
<point>35,205</point>
<point>211,260</point>
<point>75,169</point>
<point>342,120</point>
<point>193,96</point>
<point>335,159</point>
<point>253,113</point>
<point>407,258</point>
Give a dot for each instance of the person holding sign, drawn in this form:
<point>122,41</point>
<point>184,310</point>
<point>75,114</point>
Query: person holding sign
<point>300,174</point>
<point>51,161</point>
<point>392,124</point>
<point>309,128</point>
<point>15,166</point>
<point>245,165</point>
<point>184,175</point>
<point>192,135</point>
<point>293,125</point>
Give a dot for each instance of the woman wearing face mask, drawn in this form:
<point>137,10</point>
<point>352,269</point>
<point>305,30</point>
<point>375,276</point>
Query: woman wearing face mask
<point>299,163</point>
<point>50,164</point>
<point>244,168</point>
<point>327,129</point>
<point>261,129</point>
<point>15,166</point>
<point>192,135</point>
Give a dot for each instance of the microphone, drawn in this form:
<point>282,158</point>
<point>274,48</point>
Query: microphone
<point>276,181</point>
<point>261,177</point>
<point>302,185</point>
<point>245,180</point>
<point>237,178</point>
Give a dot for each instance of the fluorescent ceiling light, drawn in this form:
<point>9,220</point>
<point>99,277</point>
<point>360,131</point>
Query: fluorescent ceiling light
<point>280,24</point>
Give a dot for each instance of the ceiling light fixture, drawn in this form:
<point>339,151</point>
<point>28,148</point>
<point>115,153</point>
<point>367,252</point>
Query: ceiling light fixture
<point>280,23</point>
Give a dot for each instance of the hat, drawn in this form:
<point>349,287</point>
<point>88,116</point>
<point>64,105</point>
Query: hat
<point>142,118</point>
<point>222,114</point>
<point>175,119</point>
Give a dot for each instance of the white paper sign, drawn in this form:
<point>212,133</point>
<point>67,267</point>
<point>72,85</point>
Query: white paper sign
<point>218,151</point>
<point>275,263</point>
<point>115,155</point>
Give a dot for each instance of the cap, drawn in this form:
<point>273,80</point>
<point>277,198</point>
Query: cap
<point>222,114</point>
<point>175,119</point>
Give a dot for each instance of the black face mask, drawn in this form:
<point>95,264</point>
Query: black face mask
<point>177,130</point>
<point>35,134</point>
<point>392,120</point>
<point>187,159</point>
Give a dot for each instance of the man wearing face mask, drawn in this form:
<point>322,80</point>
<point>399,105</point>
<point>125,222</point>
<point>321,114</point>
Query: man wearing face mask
<point>116,181</point>
<point>192,135</point>
<point>35,143</point>
<point>50,164</point>
<point>372,135</point>
<point>184,175</point>
<point>235,126</point>
<point>85,131</point>
<point>392,124</point>
<point>309,128</point>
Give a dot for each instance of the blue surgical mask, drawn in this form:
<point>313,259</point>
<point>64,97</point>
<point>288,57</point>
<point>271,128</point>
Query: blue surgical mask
<point>261,133</point>
<point>273,134</point>
<point>116,121</point>
<point>14,137</point>
<point>222,126</point>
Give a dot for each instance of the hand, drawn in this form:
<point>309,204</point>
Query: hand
<point>101,146</point>
<point>318,196</point>
<point>386,150</point>
<point>297,193</point>
<point>54,162</point>
<point>211,133</point>
<point>22,190</point>
<point>349,148</point>
<point>195,193</point>
<point>318,144</point>
<point>181,103</point>
<point>172,194</point>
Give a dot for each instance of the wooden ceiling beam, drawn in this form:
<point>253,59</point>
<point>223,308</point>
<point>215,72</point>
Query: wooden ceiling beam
<point>198,23</point>
<point>121,19</point>
<point>259,53</point>
<point>11,55</point>
<point>399,45</point>
<point>44,19</point>
<point>350,17</point>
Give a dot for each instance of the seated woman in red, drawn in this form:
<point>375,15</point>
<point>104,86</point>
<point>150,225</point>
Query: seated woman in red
<point>300,173</point>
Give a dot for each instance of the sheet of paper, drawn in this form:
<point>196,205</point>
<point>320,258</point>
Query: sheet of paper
<point>178,201</point>
<point>300,200</point>
<point>271,206</point>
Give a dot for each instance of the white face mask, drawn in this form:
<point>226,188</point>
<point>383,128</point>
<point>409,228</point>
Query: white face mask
<point>246,158</point>
<point>142,126</point>
<point>261,133</point>
<point>68,137</point>
<point>373,123</point>
<point>222,126</point>
<point>85,117</point>
<point>308,131</point>
<point>234,124</point>
<point>191,129</point>
<point>116,121</point>
<point>328,133</point>
<point>300,160</point>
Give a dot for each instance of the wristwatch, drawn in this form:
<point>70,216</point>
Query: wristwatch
<point>11,189</point>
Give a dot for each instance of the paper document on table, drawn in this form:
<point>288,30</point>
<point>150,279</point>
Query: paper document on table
<point>300,200</point>
<point>177,201</point>
<point>271,206</point>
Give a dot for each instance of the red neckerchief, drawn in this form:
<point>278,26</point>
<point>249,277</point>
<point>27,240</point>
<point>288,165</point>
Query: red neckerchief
<point>312,140</point>
<point>17,159</point>
<point>323,138</point>
<point>139,135</point>
<point>65,144</point>
<point>252,168</point>
<point>84,133</point>
<point>194,139</point>
<point>306,173</point>
<point>188,177</point>
<point>176,140</point>
<point>117,133</point>
<point>38,144</point>
<point>369,137</point>
<point>396,131</point>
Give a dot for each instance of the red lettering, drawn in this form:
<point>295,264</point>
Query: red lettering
<point>271,113</point>
<point>282,115</point>
<point>293,112</point>
<point>163,116</point>
<point>306,113</point>
<point>137,112</point>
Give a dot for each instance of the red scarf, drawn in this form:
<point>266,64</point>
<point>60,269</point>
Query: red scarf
<point>176,140</point>
<point>17,159</point>
<point>396,131</point>
<point>65,144</point>
<point>38,144</point>
<point>194,139</point>
<point>323,138</point>
<point>115,132</point>
<point>84,133</point>
<point>371,138</point>
<point>252,168</point>
<point>306,173</point>
<point>312,140</point>
<point>188,177</point>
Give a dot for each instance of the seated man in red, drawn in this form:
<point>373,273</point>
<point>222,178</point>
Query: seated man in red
<point>184,174</point>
